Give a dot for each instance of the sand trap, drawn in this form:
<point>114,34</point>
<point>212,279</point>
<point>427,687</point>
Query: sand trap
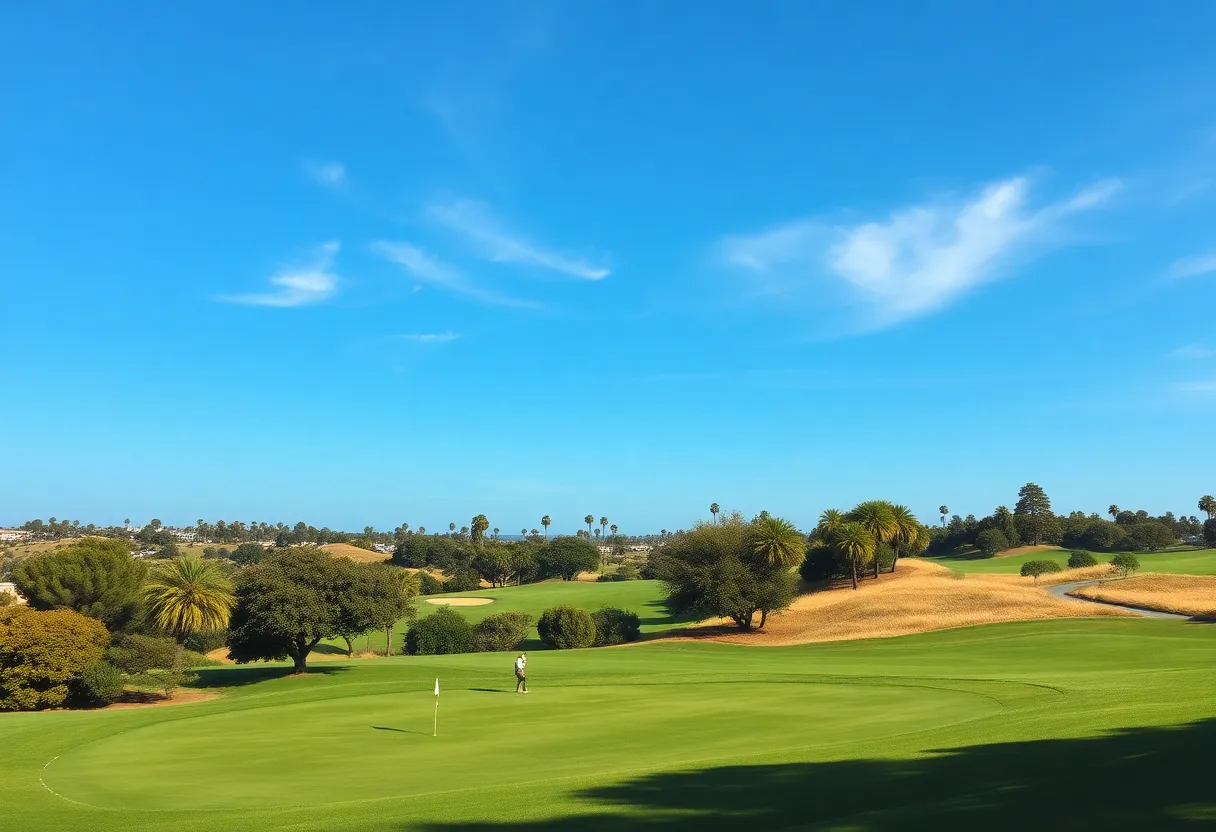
<point>460,602</point>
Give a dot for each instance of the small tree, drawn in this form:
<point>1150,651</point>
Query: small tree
<point>566,557</point>
<point>248,553</point>
<point>444,631</point>
<point>42,652</point>
<point>1035,568</point>
<point>1149,537</point>
<point>1209,531</point>
<point>566,627</point>
<point>1079,559</point>
<point>98,685</point>
<point>96,577</point>
<point>615,626</point>
<point>1125,563</point>
<point>991,541</point>
<point>503,631</point>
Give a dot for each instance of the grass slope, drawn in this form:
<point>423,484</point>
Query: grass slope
<point>1179,562</point>
<point>1183,594</point>
<point>1098,724</point>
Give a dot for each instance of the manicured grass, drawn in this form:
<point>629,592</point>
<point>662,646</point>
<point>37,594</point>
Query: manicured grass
<point>1179,562</point>
<point>1098,724</point>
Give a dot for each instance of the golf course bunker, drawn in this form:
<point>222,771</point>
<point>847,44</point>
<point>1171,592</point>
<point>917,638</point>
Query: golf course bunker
<point>460,602</point>
<point>266,756</point>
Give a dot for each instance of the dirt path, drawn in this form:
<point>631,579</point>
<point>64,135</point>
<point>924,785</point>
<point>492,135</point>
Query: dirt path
<point>1062,590</point>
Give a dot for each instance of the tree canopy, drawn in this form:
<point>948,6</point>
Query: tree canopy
<point>565,557</point>
<point>96,577</point>
<point>42,652</point>
<point>1034,507</point>
<point>189,595</point>
<point>714,570</point>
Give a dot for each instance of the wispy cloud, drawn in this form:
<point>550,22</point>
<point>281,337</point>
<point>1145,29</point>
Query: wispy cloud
<point>1193,266</point>
<point>1204,387</point>
<point>430,337</point>
<point>916,261</point>
<point>309,283</point>
<point>1193,351</point>
<point>329,174</point>
<point>474,221</point>
<point>432,272</point>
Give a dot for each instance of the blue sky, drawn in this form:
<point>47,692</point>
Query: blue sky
<point>373,263</point>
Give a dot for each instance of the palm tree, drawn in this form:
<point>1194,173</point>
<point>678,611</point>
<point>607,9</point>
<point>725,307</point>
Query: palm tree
<point>613,529</point>
<point>523,532</point>
<point>855,542</point>
<point>943,511</point>
<point>714,509</point>
<point>1207,504</point>
<point>422,530</point>
<point>1113,511</point>
<point>544,521</point>
<point>480,524</point>
<point>496,532</point>
<point>777,542</point>
<point>126,524</point>
<point>536,532</point>
<point>189,595</point>
<point>451,528</point>
<point>879,520</point>
<point>603,525</point>
<point>589,519</point>
<point>662,534</point>
<point>907,527</point>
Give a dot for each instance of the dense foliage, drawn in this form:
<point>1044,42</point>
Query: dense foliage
<point>1035,568</point>
<point>714,570</point>
<point>565,627</point>
<point>991,542</point>
<point>135,654</point>
<point>99,684</point>
<point>444,631</point>
<point>615,626</point>
<point>1079,558</point>
<point>96,577</point>
<point>41,653</point>
<point>188,595</point>
<point>566,557</point>
<point>502,631</point>
<point>1125,563</point>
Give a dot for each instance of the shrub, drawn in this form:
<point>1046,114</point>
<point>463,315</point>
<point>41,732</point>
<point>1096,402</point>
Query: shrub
<point>430,584</point>
<point>1209,530</point>
<point>625,572</point>
<point>615,626</point>
<point>136,654</point>
<point>248,553</point>
<point>98,685</point>
<point>464,581</point>
<point>1149,537</point>
<point>1125,563</point>
<point>207,640</point>
<point>94,577</point>
<point>1035,568</point>
<point>193,658</point>
<point>886,557</point>
<point>42,652</point>
<point>991,541</point>
<point>566,628</point>
<point>1079,559</point>
<point>503,631</point>
<point>822,563</point>
<point>440,633</point>
<point>565,557</point>
<point>168,550</point>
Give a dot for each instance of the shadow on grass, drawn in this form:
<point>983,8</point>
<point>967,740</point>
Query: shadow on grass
<point>491,690</point>
<point>398,730</point>
<point>1141,779</point>
<point>235,677</point>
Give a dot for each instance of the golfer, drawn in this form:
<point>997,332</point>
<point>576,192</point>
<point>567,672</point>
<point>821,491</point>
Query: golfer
<point>521,681</point>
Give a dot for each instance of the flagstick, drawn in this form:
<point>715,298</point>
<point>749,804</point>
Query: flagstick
<point>435,733</point>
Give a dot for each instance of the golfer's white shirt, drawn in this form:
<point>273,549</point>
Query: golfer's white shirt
<point>519,664</point>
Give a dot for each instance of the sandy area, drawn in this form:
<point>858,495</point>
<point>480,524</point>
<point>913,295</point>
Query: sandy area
<point>460,602</point>
<point>181,697</point>
<point>1025,550</point>
<point>1193,595</point>
<point>921,596</point>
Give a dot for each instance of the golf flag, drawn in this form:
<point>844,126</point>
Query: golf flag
<point>436,686</point>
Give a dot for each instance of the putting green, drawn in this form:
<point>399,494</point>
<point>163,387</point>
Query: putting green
<point>289,758</point>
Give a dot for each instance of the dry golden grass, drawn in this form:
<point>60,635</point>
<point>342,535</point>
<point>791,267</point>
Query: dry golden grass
<point>1183,594</point>
<point>1025,550</point>
<point>345,550</point>
<point>919,597</point>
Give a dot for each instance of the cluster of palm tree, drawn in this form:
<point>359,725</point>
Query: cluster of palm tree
<point>1207,504</point>
<point>859,534</point>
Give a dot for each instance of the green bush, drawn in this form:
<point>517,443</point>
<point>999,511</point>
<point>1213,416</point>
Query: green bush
<point>207,641</point>
<point>440,633</point>
<point>886,557</point>
<point>503,631</point>
<point>136,654</point>
<point>1125,563</point>
<point>42,653</point>
<point>193,658</point>
<point>626,572</point>
<point>566,628</point>
<point>822,563</point>
<point>98,685</point>
<point>991,541</point>
<point>615,626</point>
<point>1035,568</point>
<point>430,584</point>
<point>248,553</point>
<point>465,581</point>
<point>1079,559</point>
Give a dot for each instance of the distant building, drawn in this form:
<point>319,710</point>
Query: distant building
<point>384,548</point>
<point>14,534</point>
<point>184,535</point>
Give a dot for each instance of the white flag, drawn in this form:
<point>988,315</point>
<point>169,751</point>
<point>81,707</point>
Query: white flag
<point>436,685</point>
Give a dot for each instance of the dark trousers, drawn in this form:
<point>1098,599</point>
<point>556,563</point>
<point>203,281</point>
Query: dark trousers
<point>521,683</point>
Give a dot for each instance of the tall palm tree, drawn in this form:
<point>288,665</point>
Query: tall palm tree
<point>523,532</point>
<point>189,595</point>
<point>451,528</point>
<point>777,542</point>
<point>830,522</point>
<point>907,527</point>
<point>536,532</point>
<point>662,534</point>
<point>1207,504</point>
<point>878,519</point>
<point>603,525</point>
<point>496,532</point>
<point>480,524</point>
<point>1113,511</point>
<point>943,510</point>
<point>422,530</point>
<point>589,519</point>
<point>613,529</point>
<point>714,508</point>
<point>545,521</point>
<point>855,542</point>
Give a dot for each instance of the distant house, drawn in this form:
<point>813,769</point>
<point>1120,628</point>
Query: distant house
<point>11,589</point>
<point>14,534</point>
<point>143,553</point>
<point>384,548</point>
<point>184,535</point>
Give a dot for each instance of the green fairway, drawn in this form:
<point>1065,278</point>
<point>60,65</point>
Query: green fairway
<point>1181,562</point>
<point>996,727</point>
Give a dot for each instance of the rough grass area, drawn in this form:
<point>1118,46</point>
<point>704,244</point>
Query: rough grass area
<point>358,555</point>
<point>1179,562</point>
<point>918,598</point>
<point>1183,594</point>
<point>1098,724</point>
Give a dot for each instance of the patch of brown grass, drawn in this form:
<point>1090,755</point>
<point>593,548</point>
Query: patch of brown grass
<point>1025,550</point>
<point>345,550</point>
<point>919,597</point>
<point>1193,595</point>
